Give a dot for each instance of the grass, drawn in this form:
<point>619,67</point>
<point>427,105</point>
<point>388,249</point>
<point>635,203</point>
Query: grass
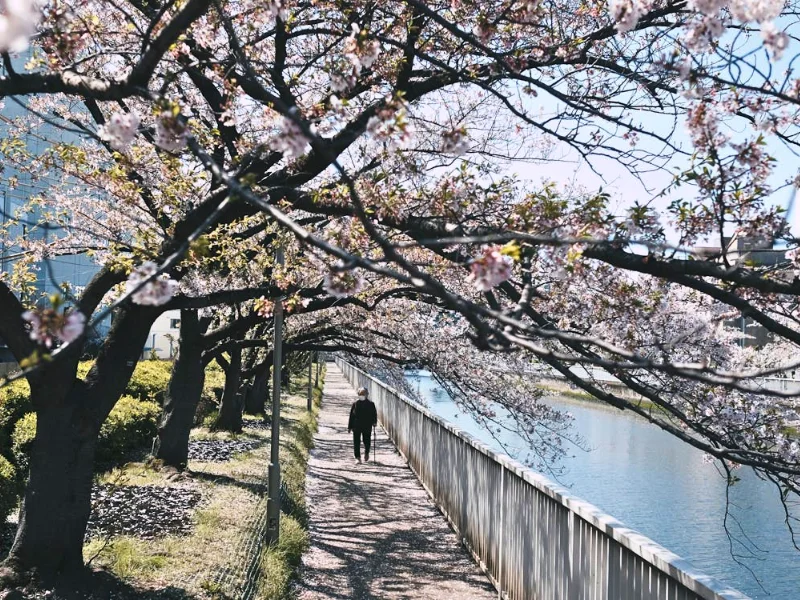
<point>227,519</point>
<point>569,392</point>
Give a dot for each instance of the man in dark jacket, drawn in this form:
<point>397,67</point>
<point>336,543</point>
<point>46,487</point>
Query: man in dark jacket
<point>362,417</point>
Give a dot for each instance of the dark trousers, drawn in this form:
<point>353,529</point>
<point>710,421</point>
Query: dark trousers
<point>366,435</point>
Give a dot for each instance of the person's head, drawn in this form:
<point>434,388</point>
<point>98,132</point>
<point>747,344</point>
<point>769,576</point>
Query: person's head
<point>363,393</point>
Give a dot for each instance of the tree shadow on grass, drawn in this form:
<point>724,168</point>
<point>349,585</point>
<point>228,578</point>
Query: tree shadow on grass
<point>94,585</point>
<point>259,489</point>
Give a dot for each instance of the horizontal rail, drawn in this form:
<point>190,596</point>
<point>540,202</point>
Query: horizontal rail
<point>534,539</point>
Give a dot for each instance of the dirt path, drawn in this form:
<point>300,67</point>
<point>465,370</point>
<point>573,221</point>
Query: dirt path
<point>374,531</point>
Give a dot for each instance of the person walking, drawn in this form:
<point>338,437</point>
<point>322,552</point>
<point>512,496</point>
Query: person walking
<point>363,416</point>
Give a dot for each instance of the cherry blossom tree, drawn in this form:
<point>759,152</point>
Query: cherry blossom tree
<point>372,142</point>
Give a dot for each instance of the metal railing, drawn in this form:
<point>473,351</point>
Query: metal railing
<point>533,538</point>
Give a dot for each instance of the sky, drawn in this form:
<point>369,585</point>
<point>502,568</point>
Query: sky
<point>626,189</point>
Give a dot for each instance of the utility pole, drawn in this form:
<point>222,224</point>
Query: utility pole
<point>274,473</point>
<point>310,389</point>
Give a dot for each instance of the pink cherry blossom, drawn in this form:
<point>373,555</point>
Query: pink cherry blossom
<point>490,269</point>
<point>626,14</point>
<point>120,130</point>
<point>290,140</point>
<point>277,9</point>
<point>74,324</point>
<point>156,292</point>
<point>171,134</point>
<point>18,21</point>
<point>775,40</point>
<point>343,283</point>
<point>455,142</point>
<point>48,325</point>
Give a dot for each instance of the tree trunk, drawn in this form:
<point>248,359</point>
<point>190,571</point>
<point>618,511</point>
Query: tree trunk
<point>57,500</point>
<point>230,409</point>
<point>257,394</point>
<point>285,374</point>
<point>183,395</point>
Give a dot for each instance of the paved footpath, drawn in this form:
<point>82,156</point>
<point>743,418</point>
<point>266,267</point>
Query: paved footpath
<point>374,531</point>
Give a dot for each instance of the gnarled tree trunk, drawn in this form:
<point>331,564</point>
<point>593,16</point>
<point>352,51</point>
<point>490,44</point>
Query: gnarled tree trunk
<point>183,394</point>
<point>57,501</point>
<point>230,409</point>
<point>69,412</point>
<point>255,401</point>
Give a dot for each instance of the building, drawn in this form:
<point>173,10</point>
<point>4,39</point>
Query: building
<point>20,221</point>
<point>750,251</point>
<point>742,249</point>
<point>163,340</point>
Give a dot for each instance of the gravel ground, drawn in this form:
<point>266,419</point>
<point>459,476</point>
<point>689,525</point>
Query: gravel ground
<point>374,531</point>
<point>144,511</point>
<point>219,450</point>
<point>256,425</point>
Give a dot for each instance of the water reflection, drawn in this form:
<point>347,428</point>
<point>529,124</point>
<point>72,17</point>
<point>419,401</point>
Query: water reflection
<point>660,486</point>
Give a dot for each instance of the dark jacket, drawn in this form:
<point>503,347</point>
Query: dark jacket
<point>362,416</point>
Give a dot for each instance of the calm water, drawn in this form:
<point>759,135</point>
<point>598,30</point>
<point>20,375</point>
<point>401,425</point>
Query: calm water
<point>661,487</point>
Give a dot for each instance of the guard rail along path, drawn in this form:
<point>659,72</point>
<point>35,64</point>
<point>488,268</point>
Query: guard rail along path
<point>533,538</point>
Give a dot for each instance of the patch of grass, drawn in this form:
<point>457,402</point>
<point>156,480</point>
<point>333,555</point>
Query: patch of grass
<point>279,562</point>
<point>128,557</point>
<point>202,433</point>
<point>575,394</point>
<point>226,520</point>
<point>135,473</point>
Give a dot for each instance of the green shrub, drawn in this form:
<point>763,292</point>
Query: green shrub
<point>130,426</point>
<point>150,380</point>
<point>8,488</point>
<point>14,404</point>
<point>213,386</point>
<point>22,442</point>
<point>83,368</point>
<point>209,419</point>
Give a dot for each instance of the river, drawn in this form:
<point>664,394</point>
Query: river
<point>660,486</point>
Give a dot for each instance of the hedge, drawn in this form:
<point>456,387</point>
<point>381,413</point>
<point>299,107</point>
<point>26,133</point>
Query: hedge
<point>14,405</point>
<point>130,426</point>
<point>8,488</point>
<point>132,423</point>
<point>149,380</point>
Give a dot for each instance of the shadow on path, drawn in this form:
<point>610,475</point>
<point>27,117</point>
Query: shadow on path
<point>374,531</point>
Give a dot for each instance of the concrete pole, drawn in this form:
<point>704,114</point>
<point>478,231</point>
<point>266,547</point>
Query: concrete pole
<point>310,388</point>
<point>274,473</point>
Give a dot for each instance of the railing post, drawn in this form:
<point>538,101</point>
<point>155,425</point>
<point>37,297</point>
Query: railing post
<point>502,529</point>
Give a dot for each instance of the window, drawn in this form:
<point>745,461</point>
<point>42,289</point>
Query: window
<point>175,323</point>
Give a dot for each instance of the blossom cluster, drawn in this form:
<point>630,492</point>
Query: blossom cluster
<point>709,24</point>
<point>360,53</point>
<point>171,133</point>
<point>390,125</point>
<point>18,22</point>
<point>120,130</point>
<point>455,142</point>
<point>157,291</point>
<point>491,268</point>
<point>291,140</point>
<point>49,326</point>
<point>342,283</point>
